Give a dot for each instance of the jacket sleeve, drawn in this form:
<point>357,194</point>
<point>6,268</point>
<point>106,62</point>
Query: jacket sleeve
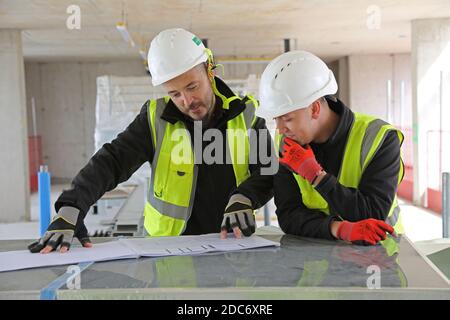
<point>263,164</point>
<point>377,188</point>
<point>293,216</point>
<point>114,163</point>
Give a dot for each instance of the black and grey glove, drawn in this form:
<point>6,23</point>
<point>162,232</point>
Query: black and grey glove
<point>239,213</point>
<point>64,227</point>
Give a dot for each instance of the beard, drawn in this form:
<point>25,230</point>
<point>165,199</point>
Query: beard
<point>196,109</point>
<point>209,113</point>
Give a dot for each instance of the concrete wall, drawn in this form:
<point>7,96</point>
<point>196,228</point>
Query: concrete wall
<point>65,95</point>
<point>368,77</point>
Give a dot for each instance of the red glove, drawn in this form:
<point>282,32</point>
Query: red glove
<point>300,160</point>
<point>365,232</point>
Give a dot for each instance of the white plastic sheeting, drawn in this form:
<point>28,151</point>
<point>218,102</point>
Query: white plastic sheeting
<point>119,100</point>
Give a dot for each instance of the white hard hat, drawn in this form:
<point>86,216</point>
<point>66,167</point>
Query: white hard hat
<point>173,52</point>
<point>293,81</point>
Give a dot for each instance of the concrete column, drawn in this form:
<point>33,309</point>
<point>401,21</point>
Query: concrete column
<point>430,52</point>
<point>14,177</point>
<point>343,81</point>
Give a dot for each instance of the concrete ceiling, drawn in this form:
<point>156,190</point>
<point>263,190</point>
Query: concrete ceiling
<point>234,28</point>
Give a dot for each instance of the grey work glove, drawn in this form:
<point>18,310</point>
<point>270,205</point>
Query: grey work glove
<point>61,231</point>
<point>239,214</point>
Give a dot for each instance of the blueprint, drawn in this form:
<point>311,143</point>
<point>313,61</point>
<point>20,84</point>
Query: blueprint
<point>132,248</point>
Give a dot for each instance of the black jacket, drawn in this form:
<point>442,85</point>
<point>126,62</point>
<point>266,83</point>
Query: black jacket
<point>372,199</point>
<point>115,162</point>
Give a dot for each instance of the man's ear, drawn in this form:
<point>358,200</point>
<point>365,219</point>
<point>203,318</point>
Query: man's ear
<point>315,109</point>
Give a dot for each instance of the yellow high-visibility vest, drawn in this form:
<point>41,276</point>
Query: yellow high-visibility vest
<point>365,138</point>
<point>173,182</point>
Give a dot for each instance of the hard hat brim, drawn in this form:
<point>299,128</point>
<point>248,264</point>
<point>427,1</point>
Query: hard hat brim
<point>168,77</point>
<point>271,112</point>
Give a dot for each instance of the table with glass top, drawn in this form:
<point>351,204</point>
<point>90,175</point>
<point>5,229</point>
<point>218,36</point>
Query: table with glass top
<point>301,268</point>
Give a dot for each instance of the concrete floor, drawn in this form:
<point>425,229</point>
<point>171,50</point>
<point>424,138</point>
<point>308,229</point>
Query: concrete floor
<point>420,224</point>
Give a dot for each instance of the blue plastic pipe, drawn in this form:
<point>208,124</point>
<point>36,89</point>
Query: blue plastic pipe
<point>44,199</point>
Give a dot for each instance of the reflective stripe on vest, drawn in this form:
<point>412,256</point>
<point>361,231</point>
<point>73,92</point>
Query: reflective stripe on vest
<point>173,182</point>
<point>365,138</point>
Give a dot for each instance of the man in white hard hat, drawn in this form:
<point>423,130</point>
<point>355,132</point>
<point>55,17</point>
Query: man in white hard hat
<point>340,168</point>
<point>189,194</point>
